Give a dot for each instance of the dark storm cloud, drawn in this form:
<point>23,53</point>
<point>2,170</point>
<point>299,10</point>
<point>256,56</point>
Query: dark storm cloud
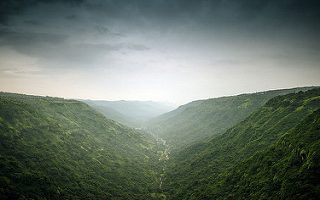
<point>16,7</point>
<point>216,10</point>
<point>54,51</point>
<point>243,15</point>
<point>71,17</point>
<point>32,23</point>
<point>102,29</point>
<point>105,31</point>
<point>32,39</point>
<point>282,20</point>
<point>27,39</point>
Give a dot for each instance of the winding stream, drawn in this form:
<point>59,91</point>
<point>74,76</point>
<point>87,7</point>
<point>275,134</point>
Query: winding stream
<point>164,157</point>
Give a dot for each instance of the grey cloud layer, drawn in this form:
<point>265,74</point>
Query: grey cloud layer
<point>164,42</point>
<point>220,11</point>
<point>37,23</point>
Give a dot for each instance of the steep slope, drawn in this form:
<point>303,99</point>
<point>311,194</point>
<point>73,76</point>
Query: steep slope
<point>289,169</point>
<point>202,119</point>
<point>130,113</point>
<point>51,148</point>
<point>217,168</point>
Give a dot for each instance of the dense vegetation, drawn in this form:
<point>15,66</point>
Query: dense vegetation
<point>289,169</point>
<point>130,113</point>
<point>252,146</point>
<point>200,120</point>
<point>51,148</point>
<point>272,154</point>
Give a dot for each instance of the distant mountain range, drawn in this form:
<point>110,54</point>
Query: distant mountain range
<point>130,113</point>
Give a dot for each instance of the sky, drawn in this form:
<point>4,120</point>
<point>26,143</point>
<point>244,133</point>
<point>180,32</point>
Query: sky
<point>163,50</point>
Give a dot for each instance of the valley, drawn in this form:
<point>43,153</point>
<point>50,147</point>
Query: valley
<point>163,159</point>
<point>252,146</point>
<point>159,100</point>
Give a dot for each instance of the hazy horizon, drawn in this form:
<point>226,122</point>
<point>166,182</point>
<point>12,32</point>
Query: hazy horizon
<point>164,51</point>
<point>168,103</point>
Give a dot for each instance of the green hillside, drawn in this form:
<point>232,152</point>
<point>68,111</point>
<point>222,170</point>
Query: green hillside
<point>289,169</point>
<point>51,148</point>
<point>272,154</point>
<point>200,120</point>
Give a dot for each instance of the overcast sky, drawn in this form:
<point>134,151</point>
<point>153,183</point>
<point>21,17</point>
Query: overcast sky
<point>163,50</point>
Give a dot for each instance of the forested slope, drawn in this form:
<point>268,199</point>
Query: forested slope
<point>51,148</point>
<point>289,169</point>
<point>202,119</point>
<point>275,149</point>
